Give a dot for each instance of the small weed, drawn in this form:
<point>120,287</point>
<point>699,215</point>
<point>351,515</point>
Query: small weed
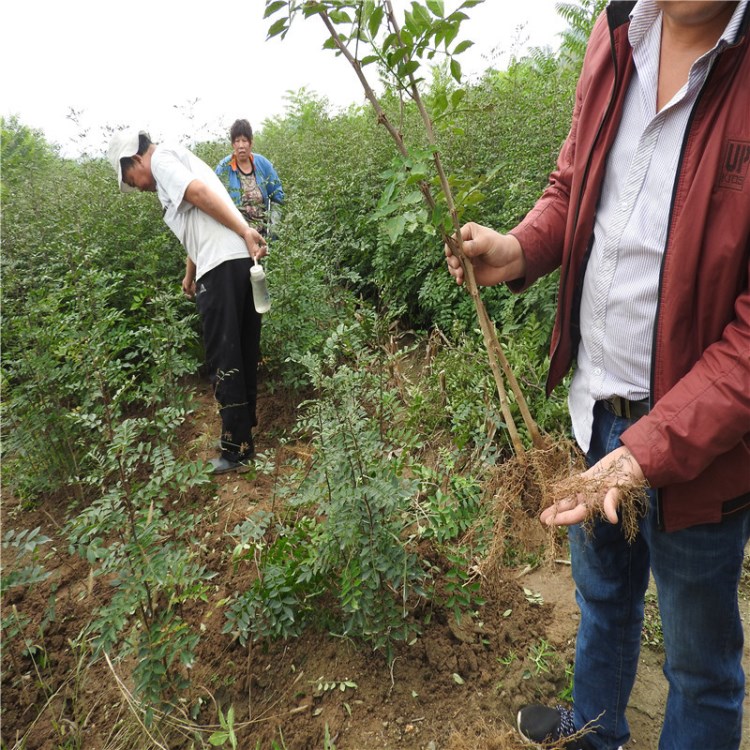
<point>274,745</point>
<point>323,686</point>
<point>532,597</point>
<point>541,656</point>
<point>566,694</point>
<point>328,743</point>
<point>226,734</point>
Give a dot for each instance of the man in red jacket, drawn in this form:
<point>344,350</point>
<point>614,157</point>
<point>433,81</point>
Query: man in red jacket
<point>648,218</point>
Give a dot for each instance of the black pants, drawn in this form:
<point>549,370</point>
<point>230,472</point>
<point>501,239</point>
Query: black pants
<point>231,336</point>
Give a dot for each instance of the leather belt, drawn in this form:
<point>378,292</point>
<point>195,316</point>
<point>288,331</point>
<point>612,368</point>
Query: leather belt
<point>621,407</point>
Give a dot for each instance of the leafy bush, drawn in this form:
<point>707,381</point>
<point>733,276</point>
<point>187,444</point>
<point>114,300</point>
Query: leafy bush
<point>132,536</point>
<point>307,302</point>
<point>81,361</point>
<point>356,498</point>
<point>95,326</point>
<point>97,342</point>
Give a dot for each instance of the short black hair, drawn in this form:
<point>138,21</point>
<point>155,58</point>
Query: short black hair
<point>240,127</point>
<point>144,142</point>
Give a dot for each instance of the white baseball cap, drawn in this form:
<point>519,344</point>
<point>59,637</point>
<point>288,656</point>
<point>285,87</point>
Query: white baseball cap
<point>124,143</point>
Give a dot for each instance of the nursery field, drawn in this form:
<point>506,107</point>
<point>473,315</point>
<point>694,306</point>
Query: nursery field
<point>456,686</point>
<point>379,578</point>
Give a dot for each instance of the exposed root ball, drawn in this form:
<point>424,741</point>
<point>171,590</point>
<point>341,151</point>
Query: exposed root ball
<point>633,498</point>
<point>517,491</point>
<point>523,486</point>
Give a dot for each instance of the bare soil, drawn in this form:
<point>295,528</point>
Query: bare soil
<point>458,686</point>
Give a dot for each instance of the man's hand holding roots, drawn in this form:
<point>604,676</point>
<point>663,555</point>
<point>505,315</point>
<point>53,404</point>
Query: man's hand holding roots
<point>601,490</point>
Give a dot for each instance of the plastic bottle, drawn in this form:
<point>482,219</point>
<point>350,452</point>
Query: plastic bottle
<point>261,298</point>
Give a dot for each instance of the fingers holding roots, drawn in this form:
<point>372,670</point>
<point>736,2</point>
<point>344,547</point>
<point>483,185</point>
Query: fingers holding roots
<point>591,490</point>
<point>522,487</point>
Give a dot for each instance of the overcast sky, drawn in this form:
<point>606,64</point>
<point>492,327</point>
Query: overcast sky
<point>174,67</point>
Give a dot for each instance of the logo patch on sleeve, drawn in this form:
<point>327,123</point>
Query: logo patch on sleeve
<point>735,164</point>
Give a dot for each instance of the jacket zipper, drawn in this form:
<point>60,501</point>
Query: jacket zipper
<point>680,161</point>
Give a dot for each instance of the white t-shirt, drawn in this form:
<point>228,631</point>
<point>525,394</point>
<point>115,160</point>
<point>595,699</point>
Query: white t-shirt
<point>207,241</point>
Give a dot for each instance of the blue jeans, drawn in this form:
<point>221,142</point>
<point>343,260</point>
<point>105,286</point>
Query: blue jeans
<point>697,572</point>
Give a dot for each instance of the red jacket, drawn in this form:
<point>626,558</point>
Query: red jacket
<point>694,445</point>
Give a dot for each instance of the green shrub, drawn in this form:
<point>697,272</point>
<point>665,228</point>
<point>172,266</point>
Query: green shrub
<point>136,534</point>
<point>356,500</point>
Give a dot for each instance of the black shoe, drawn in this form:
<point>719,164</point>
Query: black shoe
<point>222,465</point>
<point>546,726</point>
<point>244,452</point>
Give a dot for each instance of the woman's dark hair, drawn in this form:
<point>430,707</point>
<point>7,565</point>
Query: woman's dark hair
<point>144,141</point>
<point>240,127</point>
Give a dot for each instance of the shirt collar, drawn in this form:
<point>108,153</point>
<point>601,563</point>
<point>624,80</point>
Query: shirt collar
<point>235,167</point>
<point>646,12</point>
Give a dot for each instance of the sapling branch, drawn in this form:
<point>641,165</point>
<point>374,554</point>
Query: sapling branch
<point>498,361</point>
<point>127,500</point>
<point>494,350</point>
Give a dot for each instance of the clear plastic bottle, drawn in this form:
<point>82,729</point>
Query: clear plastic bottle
<point>261,298</point>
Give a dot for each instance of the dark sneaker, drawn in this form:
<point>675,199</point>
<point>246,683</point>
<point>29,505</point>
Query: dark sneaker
<point>229,450</point>
<point>222,465</point>
<point>546,727</point>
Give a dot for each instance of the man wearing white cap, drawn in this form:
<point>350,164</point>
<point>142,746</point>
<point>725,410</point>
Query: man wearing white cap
<point>220,250</point>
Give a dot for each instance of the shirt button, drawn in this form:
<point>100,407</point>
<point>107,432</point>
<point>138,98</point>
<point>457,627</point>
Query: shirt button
<point>597,371</point>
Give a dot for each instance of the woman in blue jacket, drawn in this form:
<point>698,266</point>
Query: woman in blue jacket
<point>251,180</point>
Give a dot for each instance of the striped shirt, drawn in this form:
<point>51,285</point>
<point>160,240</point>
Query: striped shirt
<point>621,284</point>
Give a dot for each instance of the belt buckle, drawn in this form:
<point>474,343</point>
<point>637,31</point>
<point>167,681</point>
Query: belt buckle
<point>620,406</point>
<point>624,407</point>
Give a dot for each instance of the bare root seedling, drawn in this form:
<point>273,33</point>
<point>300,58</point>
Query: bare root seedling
<point>520,488</point>
<point>633,498</point>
